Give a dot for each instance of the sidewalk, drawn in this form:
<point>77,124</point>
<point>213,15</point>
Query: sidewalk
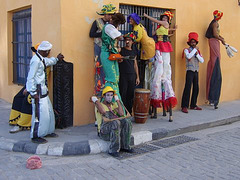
<point>84,140</point>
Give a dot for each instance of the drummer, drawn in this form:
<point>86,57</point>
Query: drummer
<point>129,76</point>
<point>113,126</point>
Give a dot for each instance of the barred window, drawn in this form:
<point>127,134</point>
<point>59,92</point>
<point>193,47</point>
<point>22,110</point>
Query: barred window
<point>126,10</point>
<point>140,10</point>
<point>22,42</point>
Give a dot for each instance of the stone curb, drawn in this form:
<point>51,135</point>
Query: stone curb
<point>97,145</point>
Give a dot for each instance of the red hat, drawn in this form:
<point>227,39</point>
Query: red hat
<point>193,35</point>
<point>130,35</point>
<point>217,15</point>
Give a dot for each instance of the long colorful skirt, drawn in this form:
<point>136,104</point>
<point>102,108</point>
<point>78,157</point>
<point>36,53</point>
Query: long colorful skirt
<point>21,112</point>
<point>161,89</point>
<point>214,76</point>
<point>98,71</point>
<point>111,71</point>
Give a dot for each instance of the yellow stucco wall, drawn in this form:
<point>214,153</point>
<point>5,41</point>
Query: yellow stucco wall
<point>45,26</point>
<point>66,25</point>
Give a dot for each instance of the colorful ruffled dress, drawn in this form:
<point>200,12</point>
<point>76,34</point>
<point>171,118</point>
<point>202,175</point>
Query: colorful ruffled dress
<point>161,87</point>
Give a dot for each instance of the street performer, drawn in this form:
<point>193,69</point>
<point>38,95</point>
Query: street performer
<point>113,126</point>
<point>96,32</point>
<point>110,38</point>
<point>214,76</point>
<point>129,76</point>
<point>43,120</point>
<point>162,93</point>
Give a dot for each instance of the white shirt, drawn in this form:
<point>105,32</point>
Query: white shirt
<point>192,60</point>
<point>36,74</point>
<point>192,53</point>
<point>112,31</point>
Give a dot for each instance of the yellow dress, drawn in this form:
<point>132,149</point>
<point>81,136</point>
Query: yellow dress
<point>147,43</point>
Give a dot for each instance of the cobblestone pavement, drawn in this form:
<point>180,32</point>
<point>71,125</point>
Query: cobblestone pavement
<point>216,155</point>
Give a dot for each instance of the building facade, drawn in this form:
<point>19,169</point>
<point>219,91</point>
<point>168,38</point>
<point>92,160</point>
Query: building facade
<point>66,24</point>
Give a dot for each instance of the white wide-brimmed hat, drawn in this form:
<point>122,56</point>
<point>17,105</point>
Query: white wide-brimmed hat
<point>45,46</point>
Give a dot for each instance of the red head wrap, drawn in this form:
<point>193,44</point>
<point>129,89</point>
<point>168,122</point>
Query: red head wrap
<point>217,15</point>
<point>169,14</point>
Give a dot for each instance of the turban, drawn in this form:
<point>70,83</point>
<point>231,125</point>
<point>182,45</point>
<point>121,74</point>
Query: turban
<point>45,46</point>
<point>217,15</point>
<point>169,14</point>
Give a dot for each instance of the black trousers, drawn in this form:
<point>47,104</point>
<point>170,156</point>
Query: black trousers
<point>127,83</point>
<point>215,84</point>
<point>191,79</point>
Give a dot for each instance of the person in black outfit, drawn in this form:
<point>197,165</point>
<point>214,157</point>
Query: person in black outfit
<point>129,77</point>
<point>193,57</point>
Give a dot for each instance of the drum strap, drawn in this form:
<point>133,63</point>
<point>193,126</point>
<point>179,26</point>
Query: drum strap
<point>128,114</point>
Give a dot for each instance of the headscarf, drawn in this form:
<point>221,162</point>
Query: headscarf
<point>135,17</point>
<point>217,15</point>
<point>169,14</point>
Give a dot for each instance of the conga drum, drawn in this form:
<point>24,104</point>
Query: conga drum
<point>141,105</point>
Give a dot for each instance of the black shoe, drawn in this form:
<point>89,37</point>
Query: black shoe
<point>114,154</point>
<point>52,135</point>
<point>127,150</point>
<point>39,140</point>
<point>154,116</point>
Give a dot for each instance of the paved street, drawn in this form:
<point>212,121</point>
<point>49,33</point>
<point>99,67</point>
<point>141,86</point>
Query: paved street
<point>215,155</point>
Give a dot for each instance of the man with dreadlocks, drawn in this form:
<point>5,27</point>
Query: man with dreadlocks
<point>214,76</point>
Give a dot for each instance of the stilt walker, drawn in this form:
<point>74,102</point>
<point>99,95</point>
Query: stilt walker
<point>214,76</point>
<point>162,94</point>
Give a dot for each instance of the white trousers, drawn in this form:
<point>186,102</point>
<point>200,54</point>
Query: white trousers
<point>46,122</point>
<point>162,82</point>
